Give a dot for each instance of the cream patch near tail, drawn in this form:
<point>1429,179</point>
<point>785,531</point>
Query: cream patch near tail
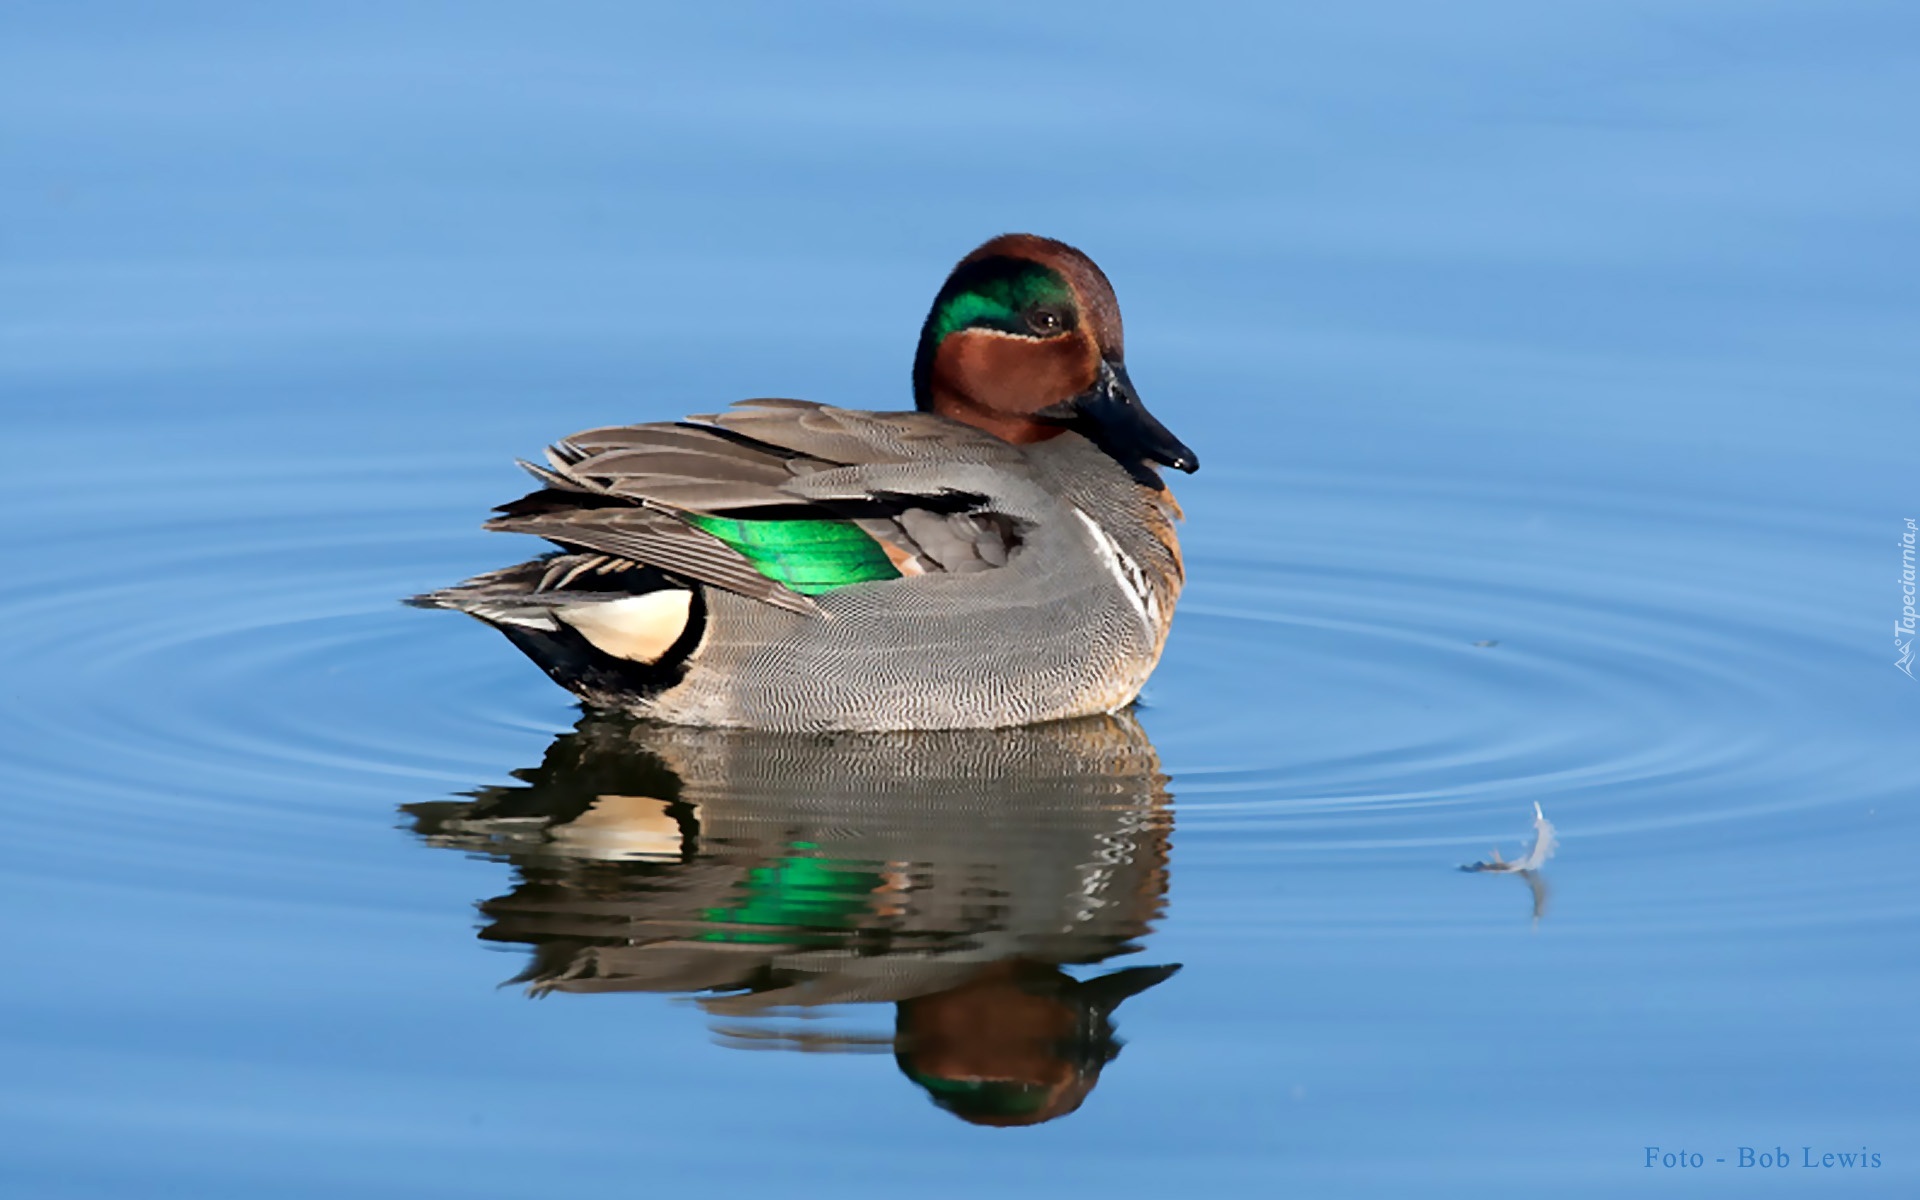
<point>621,827</point>
<point>638,628</point>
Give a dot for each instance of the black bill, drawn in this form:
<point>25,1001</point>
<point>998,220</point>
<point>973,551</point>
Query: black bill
<point>1111,416</point>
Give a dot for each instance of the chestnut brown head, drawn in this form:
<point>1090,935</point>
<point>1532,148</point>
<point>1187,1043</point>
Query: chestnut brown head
<point>1021,1043</point>
<point>1024,341</point>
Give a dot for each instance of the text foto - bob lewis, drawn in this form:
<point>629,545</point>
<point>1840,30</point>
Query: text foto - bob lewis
<point>1778,1157</point>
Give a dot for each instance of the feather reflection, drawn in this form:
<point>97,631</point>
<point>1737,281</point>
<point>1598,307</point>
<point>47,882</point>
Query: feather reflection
<point>953,875</point>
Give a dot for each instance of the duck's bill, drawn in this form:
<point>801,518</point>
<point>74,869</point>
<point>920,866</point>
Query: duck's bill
<point>1112,416</point>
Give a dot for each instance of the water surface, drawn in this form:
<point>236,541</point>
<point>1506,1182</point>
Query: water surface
<point>1551,376</point>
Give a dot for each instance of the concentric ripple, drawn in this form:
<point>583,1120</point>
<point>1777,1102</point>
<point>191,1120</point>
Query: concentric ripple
<point>1367,673</point>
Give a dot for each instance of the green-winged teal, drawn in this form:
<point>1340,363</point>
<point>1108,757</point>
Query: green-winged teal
<point>1002,556</point>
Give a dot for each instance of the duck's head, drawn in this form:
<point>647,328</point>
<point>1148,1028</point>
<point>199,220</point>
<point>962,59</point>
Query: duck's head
<point>1021,1043</point>
<point>1024,342</point>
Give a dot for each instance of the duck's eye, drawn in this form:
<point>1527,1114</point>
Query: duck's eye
<point>1044,320</point>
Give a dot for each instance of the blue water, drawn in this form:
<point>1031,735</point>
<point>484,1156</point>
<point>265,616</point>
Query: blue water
<point>1553,371</point>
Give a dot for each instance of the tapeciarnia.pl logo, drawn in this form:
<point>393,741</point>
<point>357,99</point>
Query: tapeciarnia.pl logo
<point>1903,629</point>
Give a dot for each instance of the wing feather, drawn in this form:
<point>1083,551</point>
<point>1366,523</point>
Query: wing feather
<point>621,490</point>
<point>660,539</point>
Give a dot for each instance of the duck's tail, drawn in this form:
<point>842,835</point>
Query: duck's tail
<point>611,631</point>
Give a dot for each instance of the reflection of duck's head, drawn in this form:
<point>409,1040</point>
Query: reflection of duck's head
<point>1021,1043</point>
<point>951,873</point>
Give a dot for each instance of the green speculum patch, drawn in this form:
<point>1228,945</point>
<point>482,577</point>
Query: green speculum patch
<point>997,301</point>
<point>796,899</point>
<point>808,557</point>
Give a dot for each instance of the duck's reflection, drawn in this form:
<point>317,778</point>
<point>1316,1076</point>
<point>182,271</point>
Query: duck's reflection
<point>952,875</point>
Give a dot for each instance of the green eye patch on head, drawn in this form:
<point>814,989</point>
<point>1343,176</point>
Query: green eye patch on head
<point>997,293</point>
<point>983,1097</point>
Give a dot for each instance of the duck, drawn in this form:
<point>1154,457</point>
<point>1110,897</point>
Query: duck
<point>1003,554</point>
